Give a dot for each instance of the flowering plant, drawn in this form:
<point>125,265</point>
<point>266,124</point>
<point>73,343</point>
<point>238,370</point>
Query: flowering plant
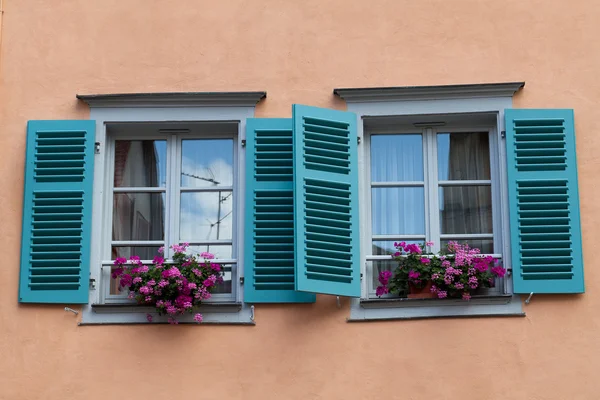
<point>455,272</point>
<point>414,269</point>
<point>174,288</point>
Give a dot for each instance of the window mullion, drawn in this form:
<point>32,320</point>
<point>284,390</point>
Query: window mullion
<point>432,189</point>
<point>172,209</point>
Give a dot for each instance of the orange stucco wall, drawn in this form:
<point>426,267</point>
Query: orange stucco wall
<point>298,52</point>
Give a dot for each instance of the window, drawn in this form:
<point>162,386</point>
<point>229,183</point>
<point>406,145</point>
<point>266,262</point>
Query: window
<point>172,183</point>
<point>432,168</point>
<point>167,169</point>
<point>434,184</point>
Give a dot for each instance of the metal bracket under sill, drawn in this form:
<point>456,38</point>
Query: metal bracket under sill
<point>402,302</point>
<point>231,307</point>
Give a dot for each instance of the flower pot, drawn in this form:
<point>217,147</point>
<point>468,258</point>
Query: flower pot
<point>420,292</point>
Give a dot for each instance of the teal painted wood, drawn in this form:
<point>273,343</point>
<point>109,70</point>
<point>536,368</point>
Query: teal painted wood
<point>544,201</point>
<point>269,220</point>
<point>326,201</point>
<point>57,212</point>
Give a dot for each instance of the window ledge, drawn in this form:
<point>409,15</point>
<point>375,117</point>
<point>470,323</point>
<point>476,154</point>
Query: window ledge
<point>126,313</point>
<point>392,309</point>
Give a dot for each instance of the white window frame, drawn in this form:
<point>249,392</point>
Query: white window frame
<point>172,192</point>
<point>164,108</point>
<point>431,184</point>
<point>454,100</point>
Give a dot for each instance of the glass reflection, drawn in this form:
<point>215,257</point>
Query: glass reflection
<point>138,216</point>
<point>206,163</point>
<point>206,216</point>
<point>140,163</point>
<point>398,211</point>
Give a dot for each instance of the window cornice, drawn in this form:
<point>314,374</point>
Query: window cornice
<point>174,99</point>
<point>376,94</point>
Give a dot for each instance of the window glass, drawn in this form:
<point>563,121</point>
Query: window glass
<point>396,158</point>
<point>463,156</point>
<point>140,163</point>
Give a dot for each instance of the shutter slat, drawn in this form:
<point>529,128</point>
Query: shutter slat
<point>326,199</point>
<point>269,220</point>
<point>57,211</point>
<point>544,201</point>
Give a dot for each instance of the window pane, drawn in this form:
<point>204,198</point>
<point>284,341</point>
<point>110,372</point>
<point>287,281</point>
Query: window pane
<point>138,216</point>
<point>386,247</point>
<point>398,211</point>
<point>206,216</point>
<point>485,245</point>
<point>140,163</point>
<point>383,265</point>
<point>396,158</point>
<point>465,209</point>
<point>225,287</point>
<point>206,162</point>
<point>220,251</point>
<point>143,252</point>
<point>463,156</point>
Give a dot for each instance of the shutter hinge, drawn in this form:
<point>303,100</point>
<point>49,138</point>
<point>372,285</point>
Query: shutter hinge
<point>361,276</point>
<point>241,280</point>
<point>358,140</point>
<point>92,284</point>
<point>243,142</point>
<point>97,147</point>
<point>503,134</point>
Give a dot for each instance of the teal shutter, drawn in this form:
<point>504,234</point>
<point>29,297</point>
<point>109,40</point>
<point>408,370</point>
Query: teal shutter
<point>57,212</point>
<point>269,219</point>
<point>543,201</point>
<point>326,201</point>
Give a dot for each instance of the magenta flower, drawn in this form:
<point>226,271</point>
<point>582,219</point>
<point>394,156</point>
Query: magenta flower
<point>466,296</point>
<point>198,318</point>
<point>149,317</point>
<point>499,271</point>
<point>158,260</point>
<point>413,274</point>
<point>381,290</point>
<point>207,256</point>
<point>425,260</point>
<point>161,250</point>
<point>215,267</point>
<point>137,279</point>
<point>429,244</point>
<point>120,261</point>
<point>442,294</point>
<point>116,272</point>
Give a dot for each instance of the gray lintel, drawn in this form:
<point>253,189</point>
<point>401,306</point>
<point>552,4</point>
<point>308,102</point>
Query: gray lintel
<point>375,94</point>
<point>174,99</point>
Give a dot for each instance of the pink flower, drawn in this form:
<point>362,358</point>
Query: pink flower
<point>442,294</point>
<point>384,277</point>
<point>171,310</point>
<point>151,282</point>
<point>499,271</point>
<point>145,290</point>
<point>126,280</point>
<point>144,269</point>
<point>171,272</point>
<point>459,285</point>
<point>433,289</point>
<point>429,244</point>
<point>207,256</point>
<point>163,283</point>
<point>158,260</point>
<point>117,272</point>
<point>148,299</point>
<point>425,260</point>
<point>149,317</point>
<point>466,296</point>
<point>137,279</point>
<point>381,290</point>
<point>215,267</point>
<point>446,264</point>
<point>198,318</point>
<point>120,261</point>
<point>161,250</point>
<point>210,281</point>
<point>192,285</point>
<point>413,274</point>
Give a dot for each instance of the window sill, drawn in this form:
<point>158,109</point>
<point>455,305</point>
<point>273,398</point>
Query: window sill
<point>230,313</point>
<point>398,309</point>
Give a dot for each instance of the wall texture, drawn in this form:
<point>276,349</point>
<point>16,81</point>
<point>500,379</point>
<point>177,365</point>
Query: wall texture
<point>298,52</point>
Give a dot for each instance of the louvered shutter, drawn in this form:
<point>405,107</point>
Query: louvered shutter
<point>326,201</point>
<point>269,219</point>
<point>543,201</point>
<point>57,212</point>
